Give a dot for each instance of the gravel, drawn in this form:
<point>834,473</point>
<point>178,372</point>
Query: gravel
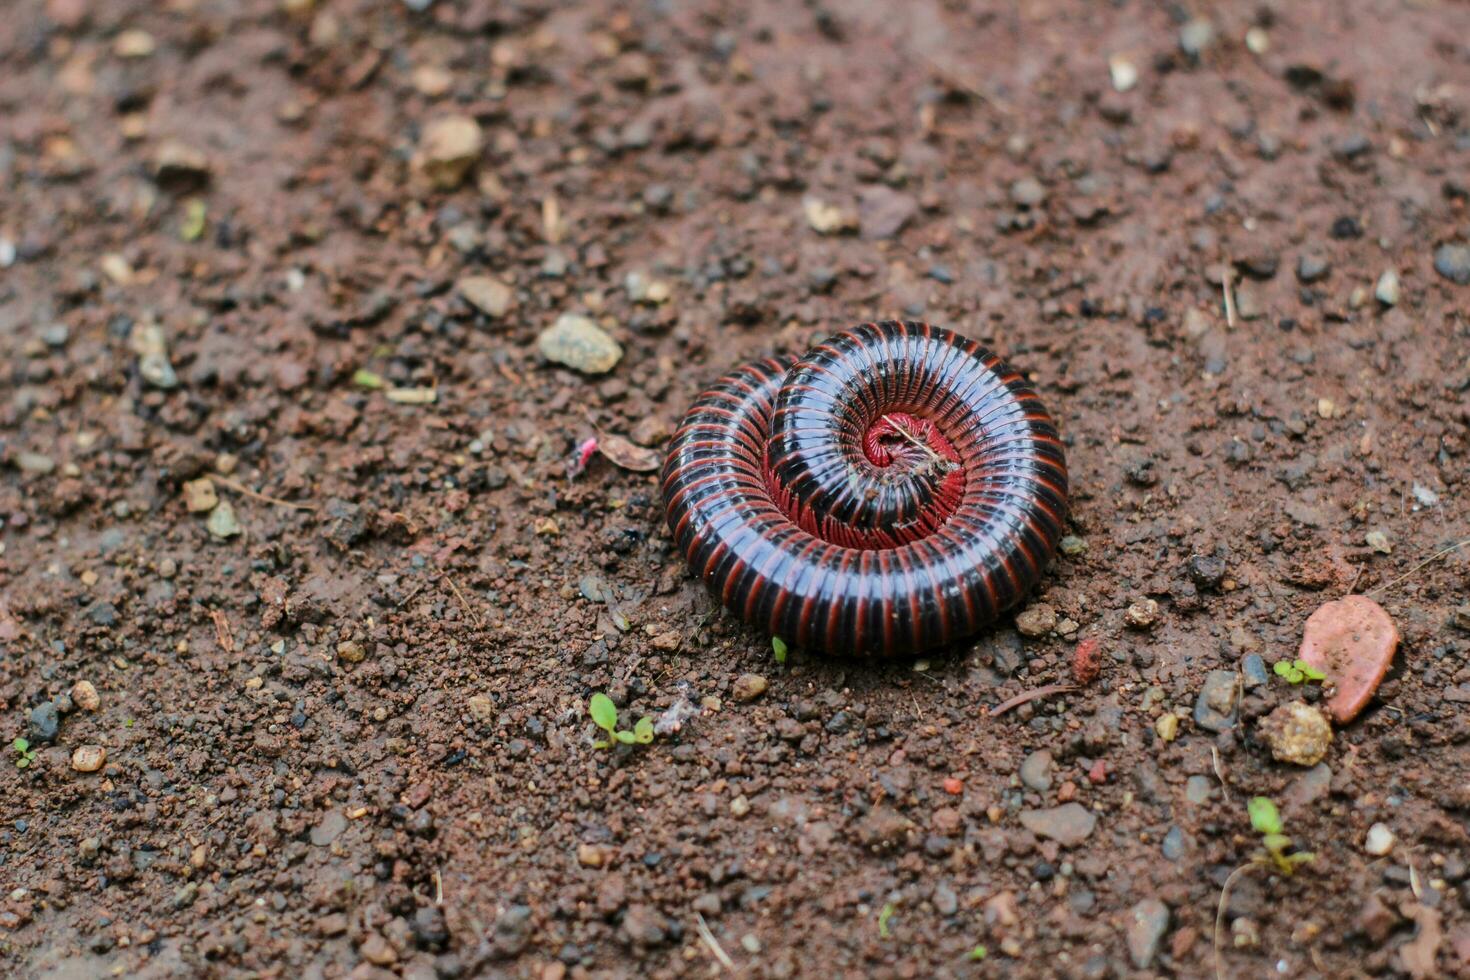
<point>1452,260</point>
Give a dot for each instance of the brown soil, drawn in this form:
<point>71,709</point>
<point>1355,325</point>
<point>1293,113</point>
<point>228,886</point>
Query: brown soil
<point>352,739</point>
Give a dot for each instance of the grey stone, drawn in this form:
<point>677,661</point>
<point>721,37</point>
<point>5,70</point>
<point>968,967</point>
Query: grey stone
<point>1147,923</point>
<point>1198,789</point>
<point>1069,824</point>
<point>1312,268</point>
<point>1452,260</point>
<point>1028,192</point>
<point>1036,771</point>
<point>44,722</point>
<point>1253,667</point>
<point>1214,709</point>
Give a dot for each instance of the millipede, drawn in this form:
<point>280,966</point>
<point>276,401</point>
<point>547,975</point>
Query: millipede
<point>893,490</point>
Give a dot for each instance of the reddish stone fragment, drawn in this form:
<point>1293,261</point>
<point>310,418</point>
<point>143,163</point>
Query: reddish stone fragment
<point>1352,641</point>
<point>1087,660</point>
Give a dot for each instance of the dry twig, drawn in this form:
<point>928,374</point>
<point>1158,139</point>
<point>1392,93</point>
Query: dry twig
<point>239,487</point>
<point>1032,695</point>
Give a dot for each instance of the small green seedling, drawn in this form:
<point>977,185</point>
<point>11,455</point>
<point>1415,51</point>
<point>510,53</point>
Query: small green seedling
<point>1266,819</point>
<point>779,646</point>
<point>605,715</point>
<point>977,954</point>
<point>884,915</point>
<point>1298,671</point>
<point>1276,855</point>
<point>371,380</point>
<point>25,756</point>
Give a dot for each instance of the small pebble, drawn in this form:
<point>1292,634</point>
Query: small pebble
<point>1072,546</point>
<point>1027,192</point>
<point>829,219</point>
<point>1380,840</point>
<point>448,149</point>
<point>84,695</point>
<point>44,722</point>
<point>88,758</point>
<point>589,855</point>
<point>1198,790</point>
<point>1253,669</point>
<point>1312,268</point>
<point>1036,771</point>
<point>1452,260</point>
<point>1214,709</point>
<point>580,344</point>
<point>488,295</point>
<point>1069,824</point>
<point>34,463</point>
<point>222,523</point>
<point>1142,614</point>
<point>1167,726</point>
<point>199,496</point>
<point>748,687</point>
<point>1147,923</point>
<point>739,807</point>
<point>1297,733</point>
<point>1387,290</point>
<point>1123,73</point>
<point>1378,541</point>
<point>133,44</point>
<point>1196,36</point>
<point>1037,620</point>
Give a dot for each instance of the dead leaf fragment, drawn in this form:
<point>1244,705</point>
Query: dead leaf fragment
<point>626,455</point>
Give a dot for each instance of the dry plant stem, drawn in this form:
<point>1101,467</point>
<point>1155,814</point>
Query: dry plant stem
<point>468,610</point>
<point>1434,557</point>
<point>1220,773</point>
<point>1220,914</point>
<point>1040,692</point>
<point>239,487</point>
<point>713,944</point>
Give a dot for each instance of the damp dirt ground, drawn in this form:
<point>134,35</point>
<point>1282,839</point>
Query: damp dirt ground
<point>343,703</point>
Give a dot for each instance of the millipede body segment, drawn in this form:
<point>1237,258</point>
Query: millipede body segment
<point>893,490</point>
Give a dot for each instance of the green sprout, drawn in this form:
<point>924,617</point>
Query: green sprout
<point>1298,671</point>
<point>25,756</point>
<point>884,915</point>
<point>779,646</point>
<point>1266,820</point>
<point>371,380</point>
<point>1276,854</point>
<point>977,954</point>
<point>605,716</point>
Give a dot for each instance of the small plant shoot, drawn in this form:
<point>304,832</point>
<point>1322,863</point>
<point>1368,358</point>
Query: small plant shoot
<point>25,756</point>
<point>605,716</point>
<point>1297,671</point>
<point>1279,856</point>
<point>885,915</point>
<point>778,646</point>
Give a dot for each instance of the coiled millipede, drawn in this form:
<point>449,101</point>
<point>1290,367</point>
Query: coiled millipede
<point>893,490</point>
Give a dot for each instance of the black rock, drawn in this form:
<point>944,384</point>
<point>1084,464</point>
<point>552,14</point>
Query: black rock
<point>1346,227</point>
<point>1206,571</point>
<point>44,722</point>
